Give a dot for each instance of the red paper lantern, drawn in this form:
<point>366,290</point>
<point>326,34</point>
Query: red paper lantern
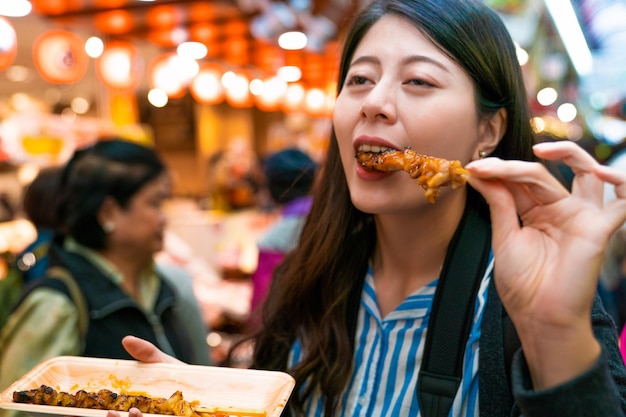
<point>49,7</point>
<point>204,32</point>
<point>114,22</point>
<point>272,95</point>
<point>202,11</point>
<point>109,4</point>
<point>206,87</point>
<point>167,38</point>
<point>119,66</point>
<point>162,75</point>
<point>237,89</point>
<point>60,57</point>
<point>8,43</point>
<point>236,51</point>
<point>236,28</point>
<point>164,17</point>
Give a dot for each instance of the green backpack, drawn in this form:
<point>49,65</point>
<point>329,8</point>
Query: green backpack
<point>10,291</point>
<point>12,285</point>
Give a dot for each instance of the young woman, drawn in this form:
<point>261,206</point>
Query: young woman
<point>111,226</point>
<point>348,311</point>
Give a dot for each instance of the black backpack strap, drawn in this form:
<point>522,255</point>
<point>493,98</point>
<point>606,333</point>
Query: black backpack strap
<point>452,311</point>
<point>511,344</point>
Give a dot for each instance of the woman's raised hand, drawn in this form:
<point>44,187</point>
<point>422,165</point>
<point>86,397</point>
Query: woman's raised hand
<point>548,245</point>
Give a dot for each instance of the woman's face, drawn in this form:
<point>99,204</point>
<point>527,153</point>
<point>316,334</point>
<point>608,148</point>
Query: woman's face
<point>140,226</point>
<point>401,90</point>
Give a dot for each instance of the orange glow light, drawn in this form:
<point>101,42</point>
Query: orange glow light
<point>8,45</point>
<point>114,22</point>
<point>119,66</point>
<point>163,76</point>
<point>203,32</point>
<point>206,87</point>
<point>164,17</point>
<point>49,7</point>
<point>238,91</point>
<point>110,4</point>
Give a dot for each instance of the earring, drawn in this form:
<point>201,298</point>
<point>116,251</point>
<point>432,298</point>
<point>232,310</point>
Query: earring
<point>482,154</point>
<point>108,227</point>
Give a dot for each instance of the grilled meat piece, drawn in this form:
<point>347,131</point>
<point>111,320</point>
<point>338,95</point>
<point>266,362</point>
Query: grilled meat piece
<point>430,172</point>
<point>108,400</point>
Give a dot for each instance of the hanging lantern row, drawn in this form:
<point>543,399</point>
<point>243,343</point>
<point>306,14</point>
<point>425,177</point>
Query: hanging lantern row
<point>212,84</point>
<point>60,58</point>
<point>199,10</point>
<point>220,26</point>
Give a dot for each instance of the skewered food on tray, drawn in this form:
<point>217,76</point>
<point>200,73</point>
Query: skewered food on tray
<point>108,400</point>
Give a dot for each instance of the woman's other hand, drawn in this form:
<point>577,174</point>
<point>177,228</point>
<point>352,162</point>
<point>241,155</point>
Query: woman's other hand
<point>133,412</point>
<point>144,351</point>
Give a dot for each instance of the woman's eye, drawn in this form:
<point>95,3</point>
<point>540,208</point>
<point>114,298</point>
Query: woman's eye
<point>418,81</point>
<point>357,80</point>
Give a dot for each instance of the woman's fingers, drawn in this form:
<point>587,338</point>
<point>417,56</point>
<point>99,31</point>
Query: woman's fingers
<point>144,351</point>
<point>589,175</point>
<point>571,154</point>
<point>529,183</point>
<point>133,412</point>
<point>614,210</point>
<point>586,184</point>
<point>615,177</point>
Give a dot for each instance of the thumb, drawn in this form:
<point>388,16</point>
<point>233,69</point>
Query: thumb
<point>144,351</point>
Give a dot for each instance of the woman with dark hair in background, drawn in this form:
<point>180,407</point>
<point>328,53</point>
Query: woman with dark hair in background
<point>111,224</point>
<point>39,205</point>
<point>349,310</point>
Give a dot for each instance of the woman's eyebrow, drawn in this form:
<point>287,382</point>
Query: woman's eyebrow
<point>423,58</point>
<point>366,59</point>
<point>405,61</point>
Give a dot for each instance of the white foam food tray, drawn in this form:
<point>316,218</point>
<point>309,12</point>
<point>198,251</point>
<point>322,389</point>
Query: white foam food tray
<point>261,393</point>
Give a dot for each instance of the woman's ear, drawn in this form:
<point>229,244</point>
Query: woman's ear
<point>492,130</point>
<point>107,212</point>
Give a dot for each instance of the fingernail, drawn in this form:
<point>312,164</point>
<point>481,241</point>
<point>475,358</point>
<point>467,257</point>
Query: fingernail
<point>544,144</point>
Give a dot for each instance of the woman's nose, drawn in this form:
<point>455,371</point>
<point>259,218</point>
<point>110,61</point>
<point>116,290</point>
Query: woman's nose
<point>379,104</point>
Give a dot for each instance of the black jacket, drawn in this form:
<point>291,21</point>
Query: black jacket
<point>113,314</point>
<point>600,392</point>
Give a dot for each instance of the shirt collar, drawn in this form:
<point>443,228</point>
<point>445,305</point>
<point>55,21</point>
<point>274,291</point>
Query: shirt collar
<point>149,283</point>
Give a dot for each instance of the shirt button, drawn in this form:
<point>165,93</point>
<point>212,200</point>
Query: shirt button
<point>363,401</point>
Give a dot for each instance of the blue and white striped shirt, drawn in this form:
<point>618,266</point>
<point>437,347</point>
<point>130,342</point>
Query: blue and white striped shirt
<point>388,355</point>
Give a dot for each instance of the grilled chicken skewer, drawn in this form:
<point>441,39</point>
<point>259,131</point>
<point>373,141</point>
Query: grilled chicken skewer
<point>109,400</point>
<point>430,172</point>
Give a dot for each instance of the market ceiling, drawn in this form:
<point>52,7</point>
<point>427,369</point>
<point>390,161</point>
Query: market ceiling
<point>238,33</point>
